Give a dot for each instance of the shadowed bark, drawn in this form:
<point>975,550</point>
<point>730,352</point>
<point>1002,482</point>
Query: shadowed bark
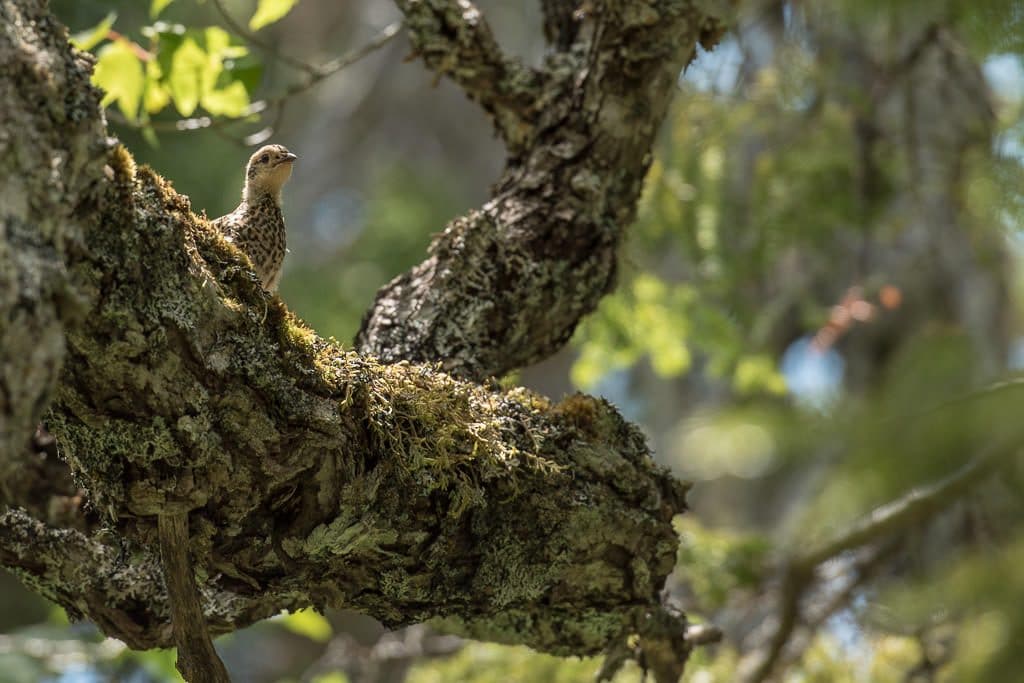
<point>312,475</point>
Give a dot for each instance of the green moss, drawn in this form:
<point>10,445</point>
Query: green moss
<point>344,537</point>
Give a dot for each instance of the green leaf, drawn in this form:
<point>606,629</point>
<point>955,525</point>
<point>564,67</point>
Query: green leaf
<point>218,44</point>
<point>158,6</point>
<point>156,96</point>
<point>189,65</point>
<point>308,623</point>
<point>169,37</point>
<point>248,71</point>
<point>91,37</point>
<point>119,73</point>
<point>149,135</point>
<point>270,11</point>
<point>230,101</point>
<point>757,372</point>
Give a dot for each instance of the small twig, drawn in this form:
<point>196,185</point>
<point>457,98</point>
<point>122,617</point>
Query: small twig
<point>863,570</point>
<point>254,39</point>
<point>197,661</point>
<point>265,133</point>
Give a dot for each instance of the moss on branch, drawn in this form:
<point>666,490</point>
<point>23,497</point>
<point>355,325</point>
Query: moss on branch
<point>315,475</point>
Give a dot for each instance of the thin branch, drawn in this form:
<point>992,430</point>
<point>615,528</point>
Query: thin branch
<point>913,508</point>
<point>250,37</point>
<point>863,570</point>
<point>703,634</point>
<point>904,512</point>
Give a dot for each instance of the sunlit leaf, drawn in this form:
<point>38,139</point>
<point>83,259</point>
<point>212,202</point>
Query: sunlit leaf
<point>158,6</point>
<point>758,373</point>
<point>308,623</point>
<point>230,101</point>
<point>156,96</point>
<point>90,38</point>
<point>188,68</point>
<point>218,44</point>
<point>119,73</point>
<point>671,358</point>
<point>269,11</point>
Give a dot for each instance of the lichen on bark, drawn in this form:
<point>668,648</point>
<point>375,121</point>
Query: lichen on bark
<point>319,476</point>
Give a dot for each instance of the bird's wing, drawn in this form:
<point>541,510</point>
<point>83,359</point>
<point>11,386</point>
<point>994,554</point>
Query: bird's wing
<point>227,224</point>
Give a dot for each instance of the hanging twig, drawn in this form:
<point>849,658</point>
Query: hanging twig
<point>197,661</point>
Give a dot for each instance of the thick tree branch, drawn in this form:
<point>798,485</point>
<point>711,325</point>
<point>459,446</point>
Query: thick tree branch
<point>319,477</point>
<point>505,286</point>
<point>116,584</point>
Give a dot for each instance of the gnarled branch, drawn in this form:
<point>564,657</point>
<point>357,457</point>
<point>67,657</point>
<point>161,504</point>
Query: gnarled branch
<point>505,286</point>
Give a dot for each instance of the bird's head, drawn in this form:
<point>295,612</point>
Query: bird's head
<point>268,170</point>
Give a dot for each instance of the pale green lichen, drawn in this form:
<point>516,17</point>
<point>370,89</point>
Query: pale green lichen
<point>508,575</point>
<point>342,538</point>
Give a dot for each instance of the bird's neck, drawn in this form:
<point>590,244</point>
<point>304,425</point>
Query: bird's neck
<point>255,195</point>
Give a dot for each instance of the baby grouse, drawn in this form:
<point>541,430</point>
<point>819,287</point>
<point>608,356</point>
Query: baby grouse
<point>257,226</point>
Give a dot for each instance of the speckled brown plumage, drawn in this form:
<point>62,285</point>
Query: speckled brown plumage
<point>257,225</point>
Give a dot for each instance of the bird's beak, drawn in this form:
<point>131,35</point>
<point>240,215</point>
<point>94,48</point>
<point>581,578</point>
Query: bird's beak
<point>290,157</point>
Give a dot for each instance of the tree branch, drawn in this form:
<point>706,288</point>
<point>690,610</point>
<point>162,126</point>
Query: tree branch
<point>454,40</point>
<point>48,105</point>
<point>910,510</point>
<point>505,286</point>
<point>319,477</point>
<point>197,661</point>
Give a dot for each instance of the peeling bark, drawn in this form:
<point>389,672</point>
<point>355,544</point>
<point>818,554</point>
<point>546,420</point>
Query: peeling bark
<point>310,474</point>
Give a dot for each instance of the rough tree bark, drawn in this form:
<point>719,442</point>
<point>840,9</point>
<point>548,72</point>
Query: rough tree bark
<point>313,475</point>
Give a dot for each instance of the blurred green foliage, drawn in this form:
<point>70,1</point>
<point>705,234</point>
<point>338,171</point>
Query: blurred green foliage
<point>333,292</point>
<point>489,663</point>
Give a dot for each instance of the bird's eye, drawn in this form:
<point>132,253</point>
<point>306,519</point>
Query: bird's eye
<point>264,159</point>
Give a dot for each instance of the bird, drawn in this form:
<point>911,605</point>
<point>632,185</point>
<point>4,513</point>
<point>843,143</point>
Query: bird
<point>256,226</point>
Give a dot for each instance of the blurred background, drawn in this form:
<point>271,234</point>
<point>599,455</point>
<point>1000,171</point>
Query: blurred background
<point>818,315</point>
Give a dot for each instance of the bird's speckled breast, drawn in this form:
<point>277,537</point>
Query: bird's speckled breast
<point>257,228</point>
